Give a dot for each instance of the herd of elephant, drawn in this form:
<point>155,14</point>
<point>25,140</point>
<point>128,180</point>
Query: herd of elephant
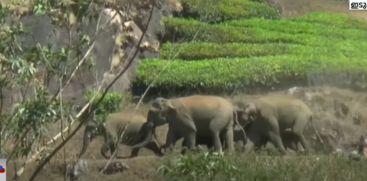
<point>209,120</point>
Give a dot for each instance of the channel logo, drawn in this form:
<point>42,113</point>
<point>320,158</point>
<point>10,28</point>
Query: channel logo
<point>2,170</point>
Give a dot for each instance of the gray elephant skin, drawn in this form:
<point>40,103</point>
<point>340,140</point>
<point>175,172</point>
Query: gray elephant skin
<point>192,117</point>
<point>132,125</point>
<point>279,119</point>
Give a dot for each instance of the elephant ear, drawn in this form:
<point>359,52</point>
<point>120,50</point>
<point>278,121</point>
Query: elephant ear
<point>162,104</point>
<point>167,105</point>
<point>156,104</point>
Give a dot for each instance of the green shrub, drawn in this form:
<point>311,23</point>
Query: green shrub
<point>223,75</point>
<point>221,10</point>
<point>204,50</point>
<point>112,102</point>
<point>208,165</point>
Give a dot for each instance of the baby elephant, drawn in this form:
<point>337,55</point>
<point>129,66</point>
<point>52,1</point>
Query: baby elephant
<point>274,118</point>
<point>122,127</point>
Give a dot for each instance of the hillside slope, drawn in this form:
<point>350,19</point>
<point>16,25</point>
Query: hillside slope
<point>291,8</point>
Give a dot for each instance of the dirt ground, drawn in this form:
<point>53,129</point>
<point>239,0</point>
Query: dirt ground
<point>340,118</point>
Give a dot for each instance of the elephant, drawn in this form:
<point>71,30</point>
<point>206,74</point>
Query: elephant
<point>133,125</point>
<point>279,119</point>
<point>192,117</point>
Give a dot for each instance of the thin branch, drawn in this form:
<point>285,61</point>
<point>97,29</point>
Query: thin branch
<point>85,114</point>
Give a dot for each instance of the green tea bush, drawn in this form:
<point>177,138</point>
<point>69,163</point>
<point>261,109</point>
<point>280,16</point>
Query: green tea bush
<point>259,31</point>
<point>178,29</point>
<point>301,27</point>
<point>205,50</point>
<point>221,10</point>
<point>223,75</point>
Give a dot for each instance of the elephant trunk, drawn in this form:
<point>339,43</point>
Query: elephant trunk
<point>86,140</point>
<point>147,130</point>
<point>104,150</point>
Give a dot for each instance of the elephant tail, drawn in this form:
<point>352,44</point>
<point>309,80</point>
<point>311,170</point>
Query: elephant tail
<point>235,120</point>
<point>104,150</point>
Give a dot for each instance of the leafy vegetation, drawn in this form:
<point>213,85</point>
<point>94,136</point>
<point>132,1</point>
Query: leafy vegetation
<point>30,121</point>
<point>112,102</point>
<point>178,29</point>
<point>259,31</point>
<point>300,27</point>
<point>262,167</point>
<point>224,75</point>
<point>218,10</point>
<point>208,165</point>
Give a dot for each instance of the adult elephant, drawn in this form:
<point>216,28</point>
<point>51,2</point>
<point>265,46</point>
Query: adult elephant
<point>191,117</point>
<point>275,118</point>
<point>128,128</point>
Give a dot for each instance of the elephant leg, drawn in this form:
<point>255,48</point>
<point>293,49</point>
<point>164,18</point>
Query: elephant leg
<point>155,148</point>
<point>303,141</point>
<point>217,142</point>
<point>277,141</point>
<point>171,139</point>
<point>134,152</point>
<point>229,139</point>
<point>298,132</point>
<point>274,134</point>
<point>290,141</point>
<point>191,140</point>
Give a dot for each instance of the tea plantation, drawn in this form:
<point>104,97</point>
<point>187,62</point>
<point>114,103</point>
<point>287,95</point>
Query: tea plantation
<point>226,46</point>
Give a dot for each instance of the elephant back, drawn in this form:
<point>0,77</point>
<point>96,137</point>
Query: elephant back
<point>117,122</point>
